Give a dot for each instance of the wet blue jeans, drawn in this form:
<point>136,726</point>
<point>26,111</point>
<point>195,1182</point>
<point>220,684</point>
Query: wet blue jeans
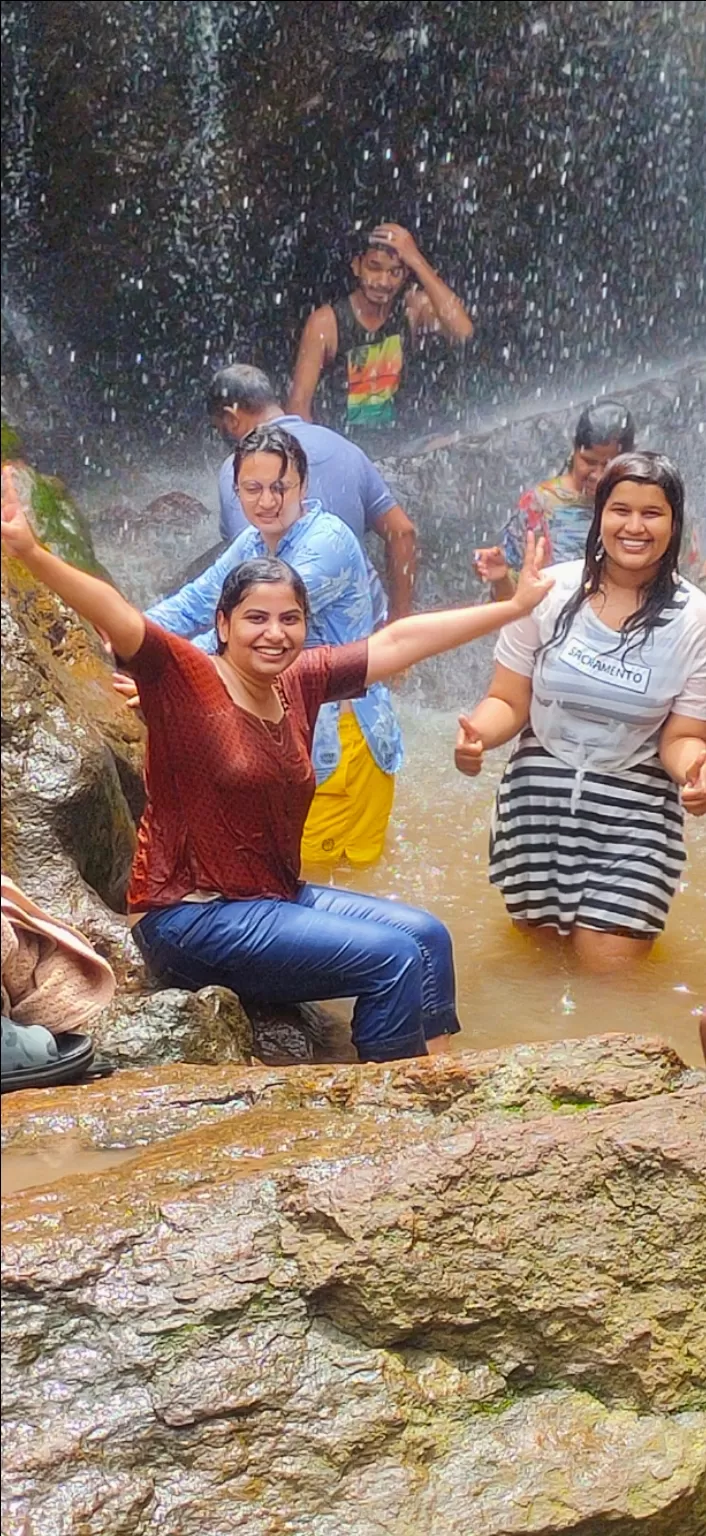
<point>396,961</point>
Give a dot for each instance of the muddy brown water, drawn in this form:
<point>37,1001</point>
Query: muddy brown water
<point>62,1159</point>
<point>510,990</point>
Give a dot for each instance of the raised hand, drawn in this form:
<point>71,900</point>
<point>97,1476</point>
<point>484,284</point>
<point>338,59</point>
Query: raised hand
<point>694,792</point>
<point>490,564</point>
<point>17,532</point>
<point>533,584</point>
<point>468,755</point>
<point>399,240</point>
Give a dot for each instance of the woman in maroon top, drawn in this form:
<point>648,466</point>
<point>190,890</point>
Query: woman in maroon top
<point>215,892</point>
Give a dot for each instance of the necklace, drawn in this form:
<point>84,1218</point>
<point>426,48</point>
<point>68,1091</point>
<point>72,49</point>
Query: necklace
<point>276,689</point>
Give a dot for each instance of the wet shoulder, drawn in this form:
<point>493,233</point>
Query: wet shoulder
<point>172,660</point>
<point>306,675</point>
<point>567,580</point>
<point>553,496</point>
<point>331,445</point>
<point>539,493</point>
<point>567,576</point>
<point>324,446</point>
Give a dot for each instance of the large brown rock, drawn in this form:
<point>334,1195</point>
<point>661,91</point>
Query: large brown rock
<point>442,1297</point>
<point>209,1026</point>
<point>71,767</point>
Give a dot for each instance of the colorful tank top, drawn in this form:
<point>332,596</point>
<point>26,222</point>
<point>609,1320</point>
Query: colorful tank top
<point>562,517</point>
<point>368,367</point>
<point>557,513</point>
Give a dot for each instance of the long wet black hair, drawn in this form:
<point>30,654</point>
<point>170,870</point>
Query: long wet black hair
<point>644,469</point>
<point>252,573</point>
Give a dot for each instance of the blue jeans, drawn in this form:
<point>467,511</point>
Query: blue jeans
<point>396,961</point>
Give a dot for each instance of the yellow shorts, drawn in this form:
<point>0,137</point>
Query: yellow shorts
<point>349,813</point>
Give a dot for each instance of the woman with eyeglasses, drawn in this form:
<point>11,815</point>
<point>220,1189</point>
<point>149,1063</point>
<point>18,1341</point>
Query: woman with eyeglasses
<point>357,748</point>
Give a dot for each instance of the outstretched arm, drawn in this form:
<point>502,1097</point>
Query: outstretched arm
<point>436,308</point>
<point>317,347</point>
<point>93,599</point>
<point>408,641</point>
<point>192,609</point>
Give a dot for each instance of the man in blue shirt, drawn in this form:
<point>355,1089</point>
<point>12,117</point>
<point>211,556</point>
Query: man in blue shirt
<point>357,747</point>
<point>341,477</point>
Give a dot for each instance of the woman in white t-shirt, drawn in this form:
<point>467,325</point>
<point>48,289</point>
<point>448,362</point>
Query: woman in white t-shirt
<point>606,684</point>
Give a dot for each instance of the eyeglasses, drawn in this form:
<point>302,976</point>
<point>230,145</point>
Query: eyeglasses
<point>279,488</point>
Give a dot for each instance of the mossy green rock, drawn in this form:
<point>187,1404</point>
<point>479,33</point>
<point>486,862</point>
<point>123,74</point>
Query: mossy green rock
<point>59,523</point>
<point>11,445</point>
<point>365,1300</point>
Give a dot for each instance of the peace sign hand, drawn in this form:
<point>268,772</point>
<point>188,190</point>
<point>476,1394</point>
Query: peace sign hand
<point>534,583</point>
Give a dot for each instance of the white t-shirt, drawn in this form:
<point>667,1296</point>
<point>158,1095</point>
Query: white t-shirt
<point>596,700</point>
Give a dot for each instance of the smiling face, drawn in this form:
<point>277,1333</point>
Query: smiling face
<point>380,275</point>
<point>636,527</point>
<point>270,495</point>
<point>588,464</point>
<point>266,632</point>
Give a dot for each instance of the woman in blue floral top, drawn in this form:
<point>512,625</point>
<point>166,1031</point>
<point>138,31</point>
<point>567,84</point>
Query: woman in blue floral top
<point>357,746</point>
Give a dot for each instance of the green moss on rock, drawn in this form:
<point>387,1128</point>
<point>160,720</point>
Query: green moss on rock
<point>11,445</point>
<point>60,524</point>
<point>58,521</point>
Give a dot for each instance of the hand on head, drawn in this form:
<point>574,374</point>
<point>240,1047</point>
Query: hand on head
<point>398,239</point>
<point>17,534</point>
<point>468,755</point>
<point>490,564</point>
<point>533,583</point>
<point>694,792</point>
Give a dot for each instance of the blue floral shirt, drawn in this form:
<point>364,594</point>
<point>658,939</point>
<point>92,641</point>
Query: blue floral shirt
<point>335,572</point>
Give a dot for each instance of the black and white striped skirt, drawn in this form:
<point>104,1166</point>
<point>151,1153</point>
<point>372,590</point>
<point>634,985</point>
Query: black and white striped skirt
<point>600,850</point>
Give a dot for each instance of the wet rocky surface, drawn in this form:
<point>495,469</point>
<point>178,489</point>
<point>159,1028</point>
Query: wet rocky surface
<point>444,1296</point>
<point>147,1030</point>
<point>71,768</point>
<point>153,548</point>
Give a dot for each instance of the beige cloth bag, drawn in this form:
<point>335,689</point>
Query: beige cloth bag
<point>51,975</point>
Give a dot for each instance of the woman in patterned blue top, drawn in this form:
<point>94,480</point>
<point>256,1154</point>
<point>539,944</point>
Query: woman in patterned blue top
<point>358,746</point>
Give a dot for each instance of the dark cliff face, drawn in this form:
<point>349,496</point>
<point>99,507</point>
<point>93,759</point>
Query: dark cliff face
<point>180,180</point>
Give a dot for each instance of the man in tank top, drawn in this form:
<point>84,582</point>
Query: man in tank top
<point>366,337</point>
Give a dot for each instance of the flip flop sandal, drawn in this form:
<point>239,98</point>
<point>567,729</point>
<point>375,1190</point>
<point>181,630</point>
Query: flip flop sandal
<point>73,1060</point>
